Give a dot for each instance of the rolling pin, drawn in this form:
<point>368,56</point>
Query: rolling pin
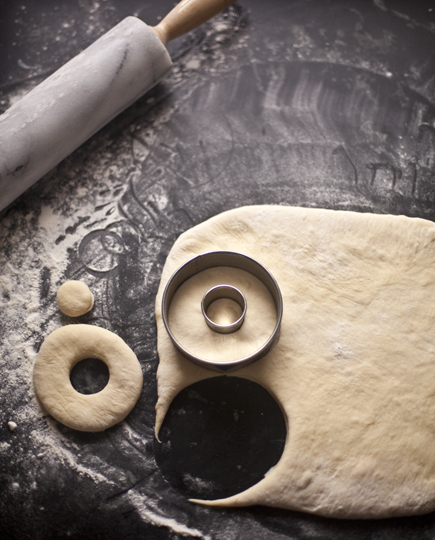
<point>82,96</point>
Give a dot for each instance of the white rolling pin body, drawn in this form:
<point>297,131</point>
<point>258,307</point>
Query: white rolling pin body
<point>76,101</point>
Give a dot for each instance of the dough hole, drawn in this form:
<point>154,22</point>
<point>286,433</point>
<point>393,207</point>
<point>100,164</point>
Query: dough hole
<point>89,376</point>
<point>220,436</point>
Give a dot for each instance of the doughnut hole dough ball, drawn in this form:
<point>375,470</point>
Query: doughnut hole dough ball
<point>61,351</point>
<point>74,298</point>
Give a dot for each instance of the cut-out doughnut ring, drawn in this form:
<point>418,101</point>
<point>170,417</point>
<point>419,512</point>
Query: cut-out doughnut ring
<point>61,351</point>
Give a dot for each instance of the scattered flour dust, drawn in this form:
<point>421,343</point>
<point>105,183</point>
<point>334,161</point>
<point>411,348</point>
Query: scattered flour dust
<point>150,512</point>
<point>52,444</point>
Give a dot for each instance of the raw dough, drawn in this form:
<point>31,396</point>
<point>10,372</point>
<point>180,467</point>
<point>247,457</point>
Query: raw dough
<point>354,369</point>
<point>74,298</point>
<point>59,353</point>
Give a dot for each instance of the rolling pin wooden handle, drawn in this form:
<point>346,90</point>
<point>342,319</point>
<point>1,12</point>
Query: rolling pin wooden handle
<point>186,16</point>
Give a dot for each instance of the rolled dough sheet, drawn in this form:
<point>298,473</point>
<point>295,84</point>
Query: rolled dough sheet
<point>354,369</point>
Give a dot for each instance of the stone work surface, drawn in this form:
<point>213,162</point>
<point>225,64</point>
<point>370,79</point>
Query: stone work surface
<point>315,103</point>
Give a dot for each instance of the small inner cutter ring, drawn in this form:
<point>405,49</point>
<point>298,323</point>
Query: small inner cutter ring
<point>214,259</point>
<point>216,293</point>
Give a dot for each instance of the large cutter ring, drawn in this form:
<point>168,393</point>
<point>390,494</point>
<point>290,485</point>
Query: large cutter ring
<point>214,259</point>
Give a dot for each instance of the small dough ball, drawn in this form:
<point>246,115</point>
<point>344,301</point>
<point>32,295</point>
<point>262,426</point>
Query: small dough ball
<point>74,298</point>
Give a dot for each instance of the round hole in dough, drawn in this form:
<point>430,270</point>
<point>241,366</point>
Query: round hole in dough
<point>220,436</point>
<point>74,298</point>
<point>89,376</point>
<point>59,353</point>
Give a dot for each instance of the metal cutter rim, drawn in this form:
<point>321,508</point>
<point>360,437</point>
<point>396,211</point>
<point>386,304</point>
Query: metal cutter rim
<point>214,259</point>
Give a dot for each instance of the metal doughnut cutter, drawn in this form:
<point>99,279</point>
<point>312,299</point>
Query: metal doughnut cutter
<point>214,259</point>
<point>216,293</point>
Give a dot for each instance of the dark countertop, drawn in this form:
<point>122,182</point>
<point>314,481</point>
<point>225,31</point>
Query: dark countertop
<point>320,103</point>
